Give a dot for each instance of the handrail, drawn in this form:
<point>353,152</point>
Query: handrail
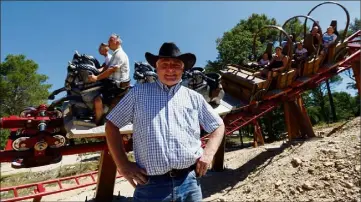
<point>347,16</point>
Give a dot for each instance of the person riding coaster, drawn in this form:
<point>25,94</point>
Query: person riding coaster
<point>81,92</point>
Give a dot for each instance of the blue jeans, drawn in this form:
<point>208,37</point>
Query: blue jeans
<point>165,188</point>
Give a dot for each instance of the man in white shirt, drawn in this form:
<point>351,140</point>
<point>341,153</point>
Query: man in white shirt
<point>117,73</point>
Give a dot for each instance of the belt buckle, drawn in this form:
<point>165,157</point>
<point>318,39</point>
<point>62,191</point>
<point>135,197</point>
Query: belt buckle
<point>171,173</point>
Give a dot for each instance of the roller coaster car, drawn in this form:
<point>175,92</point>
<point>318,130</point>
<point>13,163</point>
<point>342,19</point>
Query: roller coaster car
<point>242,84</point>
<point>144,73</point>
<point>337,50</point>
<point>243,81</point>
<point>207,84</point>
<point>78,107</point>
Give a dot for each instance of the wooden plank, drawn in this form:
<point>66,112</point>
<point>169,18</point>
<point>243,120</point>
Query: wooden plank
<point>86,132</point>
<point>106,178</point>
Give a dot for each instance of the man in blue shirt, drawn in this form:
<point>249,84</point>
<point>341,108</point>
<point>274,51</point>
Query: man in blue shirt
<point>166,119</point>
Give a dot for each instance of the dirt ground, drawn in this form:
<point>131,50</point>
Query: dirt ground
<point>325,168</point>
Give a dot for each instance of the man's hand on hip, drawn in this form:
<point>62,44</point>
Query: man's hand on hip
<point>203,164</point>
<point>134,174</point>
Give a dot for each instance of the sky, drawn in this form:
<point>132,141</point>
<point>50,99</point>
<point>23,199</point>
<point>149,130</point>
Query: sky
<point>50,32</point>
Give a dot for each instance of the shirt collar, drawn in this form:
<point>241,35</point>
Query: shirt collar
<point>116,50</point>
<point>172,89</point>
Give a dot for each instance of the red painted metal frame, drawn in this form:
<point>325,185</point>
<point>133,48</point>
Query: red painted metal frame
<point>8,156</point>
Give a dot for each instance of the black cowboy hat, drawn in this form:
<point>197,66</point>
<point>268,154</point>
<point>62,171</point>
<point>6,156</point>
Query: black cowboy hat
<point>170,50</point>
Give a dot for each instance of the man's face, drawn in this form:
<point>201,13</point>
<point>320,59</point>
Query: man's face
<point>169,70</point>
<point>113,43</point>
<point>299,46</point>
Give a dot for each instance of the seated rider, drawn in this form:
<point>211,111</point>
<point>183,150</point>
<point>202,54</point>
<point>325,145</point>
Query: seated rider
<point>328,38</point>
<point>264,60</point>
<point>278,63</point>
<point>315,35</point>
<point>300,57</point>
<point>300,53</point>
<point>117,72</point>
<point>104,51</point>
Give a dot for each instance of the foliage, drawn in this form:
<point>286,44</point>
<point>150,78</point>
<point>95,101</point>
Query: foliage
<point>20,86</point>
<point>355,25</point>
<point>235,46</point>
<point>296,28</point>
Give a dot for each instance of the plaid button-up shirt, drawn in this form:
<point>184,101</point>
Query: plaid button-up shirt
<point>166,125</point>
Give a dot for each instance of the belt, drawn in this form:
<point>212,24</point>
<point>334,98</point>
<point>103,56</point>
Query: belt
<point>180,172</point>
<point>125,84</point>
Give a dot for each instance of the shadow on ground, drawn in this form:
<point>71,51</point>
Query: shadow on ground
<point>216,182</point>
<point>94,158</point>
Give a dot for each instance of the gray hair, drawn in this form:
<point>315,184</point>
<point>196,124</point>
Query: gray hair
<point>117,37</point>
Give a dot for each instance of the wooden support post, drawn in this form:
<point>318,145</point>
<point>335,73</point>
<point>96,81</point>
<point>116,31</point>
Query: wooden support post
<point>303,110</point>
<point>297,120</point>
<point>106,177</point>
<point>218,161</point>
<point>291,133</point>
<point>303,120</point>
<point>257,134</point>
<point>356,72</point>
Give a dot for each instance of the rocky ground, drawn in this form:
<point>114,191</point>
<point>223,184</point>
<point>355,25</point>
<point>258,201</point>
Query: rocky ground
<point>325,168</point>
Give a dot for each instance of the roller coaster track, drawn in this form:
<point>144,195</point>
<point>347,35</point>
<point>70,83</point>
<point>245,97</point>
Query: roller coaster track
<point>235,120</point>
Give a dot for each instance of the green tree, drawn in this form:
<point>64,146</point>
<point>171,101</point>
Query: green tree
<point>295,27</point>
<point>346,105</point>
<point>320,98</point>
<point>20,86</point>
<point>355,25</point>
<point>235,46</point>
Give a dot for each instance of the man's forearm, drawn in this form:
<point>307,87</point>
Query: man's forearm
<point>106,73</point>
<point>115,144</point>
<point>214,141</point>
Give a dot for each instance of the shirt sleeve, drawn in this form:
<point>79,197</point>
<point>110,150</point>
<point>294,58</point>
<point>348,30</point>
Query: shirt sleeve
<point>209,119</point>
<point>116,60</point>
<point>122,114</point>
<point>334,37</point>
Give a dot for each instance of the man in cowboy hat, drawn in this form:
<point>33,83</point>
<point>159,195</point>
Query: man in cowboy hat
<point>166,119</point>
